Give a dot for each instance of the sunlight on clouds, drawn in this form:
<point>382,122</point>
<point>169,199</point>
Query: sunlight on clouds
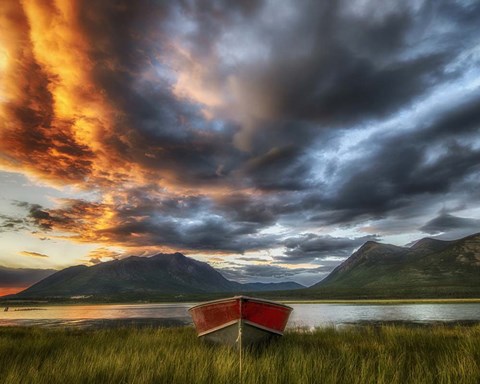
<point>53,97</point>
<point>102,254</point>
<point>223,130</point>
<point>28,107</point>
<point>61,49</point>
<point>192,82</point>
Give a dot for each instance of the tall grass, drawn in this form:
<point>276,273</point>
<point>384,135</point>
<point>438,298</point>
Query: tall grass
<point>390,354</point>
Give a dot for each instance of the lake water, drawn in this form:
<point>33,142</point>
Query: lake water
<point>303,315</point>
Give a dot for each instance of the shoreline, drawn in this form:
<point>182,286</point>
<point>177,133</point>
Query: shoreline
<point>35,303</point>
<point>166,323</point>
<point>384,301</point>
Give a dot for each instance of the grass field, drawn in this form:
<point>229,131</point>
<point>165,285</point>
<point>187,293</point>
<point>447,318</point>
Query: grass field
<point>389,354</point>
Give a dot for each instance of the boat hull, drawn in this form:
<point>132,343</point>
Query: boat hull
<point>240,320</point>
<point>229,335</point>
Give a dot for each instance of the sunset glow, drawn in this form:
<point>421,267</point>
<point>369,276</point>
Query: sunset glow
<point>270,139</point>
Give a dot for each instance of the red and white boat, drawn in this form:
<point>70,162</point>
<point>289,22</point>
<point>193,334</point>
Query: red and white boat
<point>240,320</point>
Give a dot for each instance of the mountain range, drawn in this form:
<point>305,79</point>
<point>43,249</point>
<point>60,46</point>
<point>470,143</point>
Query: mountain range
<point>161,274</point>
<point>429,268</point>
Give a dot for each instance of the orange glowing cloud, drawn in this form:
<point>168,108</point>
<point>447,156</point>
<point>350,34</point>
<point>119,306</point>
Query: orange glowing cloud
<point>59,123</point>
<point>34,138</point>
<point>54,118</point>
<point>102,254</point>
<point>76,110</point>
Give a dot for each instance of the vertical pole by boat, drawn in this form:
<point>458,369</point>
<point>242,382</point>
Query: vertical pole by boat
<point>240,340</point>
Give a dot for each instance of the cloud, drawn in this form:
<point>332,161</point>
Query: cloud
<point>314,248</point>
<point>399,169</point>
<point>279,169</point>
<point>241,127</point>
<point>175,224</point>
<point>10,223</point>
<point>250,259</point>
<point>446,222</point>
<point>245,208</point>
<point>99,255</point>
<point>39,134</point>
<point>319,63</point>
<point>275,273</point>
<point>32,254</point>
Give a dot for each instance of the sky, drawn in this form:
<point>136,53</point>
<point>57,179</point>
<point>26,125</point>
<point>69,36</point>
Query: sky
<point>267,138</point>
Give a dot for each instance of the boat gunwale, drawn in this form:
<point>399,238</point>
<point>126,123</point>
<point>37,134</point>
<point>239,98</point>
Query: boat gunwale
<point>251,323</point>
<point>235,298</point>
<point>217,328</point>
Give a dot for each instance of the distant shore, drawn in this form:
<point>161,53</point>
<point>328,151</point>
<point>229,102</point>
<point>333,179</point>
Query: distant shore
<point>385,301</point>
<point>32,303</point>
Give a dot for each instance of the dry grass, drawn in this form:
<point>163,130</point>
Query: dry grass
<point>357,355</point>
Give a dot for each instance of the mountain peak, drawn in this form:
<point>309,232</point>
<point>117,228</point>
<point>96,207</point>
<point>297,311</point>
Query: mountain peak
<point>176,255</point>
<point>428,242</point>
<point>370,244</point>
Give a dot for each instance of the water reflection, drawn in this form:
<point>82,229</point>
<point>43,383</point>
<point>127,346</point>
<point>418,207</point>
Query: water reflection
<point>304,315</point>
<point>99,315</point>
<point>314,315</point>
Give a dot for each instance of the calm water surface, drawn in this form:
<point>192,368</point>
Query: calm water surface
<point>304,315</point>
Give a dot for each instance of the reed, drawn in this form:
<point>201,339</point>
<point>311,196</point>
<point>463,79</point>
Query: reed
<point>388,354</point>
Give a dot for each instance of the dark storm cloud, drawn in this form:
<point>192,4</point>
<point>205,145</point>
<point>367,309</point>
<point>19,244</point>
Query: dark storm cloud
<point>279,169</point>
<point>333,66</point>
<point>334,81</point>
<point>402,167</point>
<point>212,16</point>
<point>209,234</point>
<point>310,247</point>
<point>155,129</point>
<point>344,88</point>
<point>426,162</point>
<point>459,119</point>
<point>356,67</point>
<point>446,222</point>
<point>183,224</point>
<point>244,208</point>
<point>228,223</point>
<point>230,118</point>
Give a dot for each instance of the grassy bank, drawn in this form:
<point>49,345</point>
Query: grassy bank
<point>39,303</point>
<point>357,355</point>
